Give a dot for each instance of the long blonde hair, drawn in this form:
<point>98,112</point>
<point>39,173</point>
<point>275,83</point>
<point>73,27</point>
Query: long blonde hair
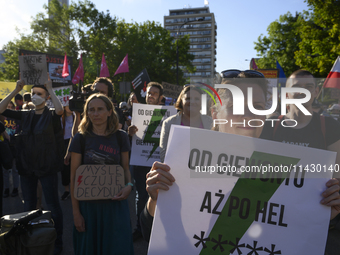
<point>85,126</point>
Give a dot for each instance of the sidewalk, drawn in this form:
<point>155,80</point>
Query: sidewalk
<point>13,205</point>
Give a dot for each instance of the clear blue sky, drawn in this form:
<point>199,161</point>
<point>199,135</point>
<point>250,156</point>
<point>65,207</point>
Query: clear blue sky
<point>239,23</point>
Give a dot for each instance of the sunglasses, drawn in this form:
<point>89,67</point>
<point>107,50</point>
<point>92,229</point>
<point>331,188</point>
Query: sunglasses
<point>233,73</point>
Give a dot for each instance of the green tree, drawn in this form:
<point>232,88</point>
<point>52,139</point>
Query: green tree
<point>310,40</point>
<point>9,71</point>
<point>150,46</point>
<point>320,34</point>
<point>81,28</point>
<point>280,44</point>
<point>53,35</point>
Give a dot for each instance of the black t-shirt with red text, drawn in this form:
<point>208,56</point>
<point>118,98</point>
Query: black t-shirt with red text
<point>101,150</point>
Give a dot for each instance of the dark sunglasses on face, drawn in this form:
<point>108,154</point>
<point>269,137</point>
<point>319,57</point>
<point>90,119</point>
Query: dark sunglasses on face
<point>233,73</point>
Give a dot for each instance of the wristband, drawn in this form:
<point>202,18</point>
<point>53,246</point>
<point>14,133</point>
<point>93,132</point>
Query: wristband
<point>129,184</point>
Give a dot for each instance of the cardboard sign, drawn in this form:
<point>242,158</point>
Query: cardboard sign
<point>33,69</point>
<point>212,209</point>
<point>54,65</point>
<point>63,94</point>
<point>139,85</point>
<point>171,90</point>
<point>145,143</point>
<point>95,182</point>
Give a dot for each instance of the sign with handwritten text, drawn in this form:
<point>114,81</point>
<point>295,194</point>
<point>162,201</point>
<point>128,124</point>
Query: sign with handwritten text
<point>33,69</point>
<point>96,182</point>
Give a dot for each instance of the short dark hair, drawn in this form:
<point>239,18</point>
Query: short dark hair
<point>156,85</point>
<point>179,102</point>
<point>18,97</point>
<point>107,82</point>
<point>300,73</point>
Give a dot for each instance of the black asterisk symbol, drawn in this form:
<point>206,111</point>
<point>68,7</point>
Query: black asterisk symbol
<point>236,246</point>
<point>219,243</point>
<point>272,251</point>
<point>201,240</point>
<point>254,249</point>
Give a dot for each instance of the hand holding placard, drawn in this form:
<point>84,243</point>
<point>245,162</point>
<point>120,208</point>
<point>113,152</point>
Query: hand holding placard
<point>96,182</point>
<point>48,83</point>
<point>20,84</point>
<point>33,69</point>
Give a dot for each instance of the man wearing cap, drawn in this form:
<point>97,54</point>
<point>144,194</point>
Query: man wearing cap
<point>38,154</point>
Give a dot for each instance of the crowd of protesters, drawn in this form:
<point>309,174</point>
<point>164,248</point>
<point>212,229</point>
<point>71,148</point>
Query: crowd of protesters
<point>31,133</point>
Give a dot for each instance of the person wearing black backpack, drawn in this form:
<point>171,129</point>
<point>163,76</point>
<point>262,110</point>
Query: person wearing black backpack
<point>39,150</point>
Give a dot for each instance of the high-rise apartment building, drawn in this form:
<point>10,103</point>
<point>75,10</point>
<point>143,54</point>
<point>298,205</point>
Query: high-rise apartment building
<point>200,24</point>
<point>62,2</point>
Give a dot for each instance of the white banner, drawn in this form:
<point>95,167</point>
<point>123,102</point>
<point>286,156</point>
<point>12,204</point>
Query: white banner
<point>205,212</point>
<point>63,94</point>
<point>145,143</point>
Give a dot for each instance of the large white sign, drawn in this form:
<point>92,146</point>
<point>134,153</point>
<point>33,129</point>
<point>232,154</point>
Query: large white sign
<point>233,212</point>
<point>63,94</point>
<point>145,144</point>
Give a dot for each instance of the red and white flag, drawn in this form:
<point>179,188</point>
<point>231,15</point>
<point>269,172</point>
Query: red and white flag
<point>123,67</point>
<point>65,72</point>
<point>79,74</point>
<point>104,70</point>
<point>333,78</point>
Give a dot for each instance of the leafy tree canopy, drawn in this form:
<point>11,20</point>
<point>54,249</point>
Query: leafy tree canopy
<point>81,28</point>
<point>308,40</point>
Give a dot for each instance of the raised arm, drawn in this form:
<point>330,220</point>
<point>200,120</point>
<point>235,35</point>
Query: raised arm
<point>56,102</point>
<point>8,98</point>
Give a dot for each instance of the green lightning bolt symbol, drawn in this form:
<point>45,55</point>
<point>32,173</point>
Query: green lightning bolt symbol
<point>156,118</point>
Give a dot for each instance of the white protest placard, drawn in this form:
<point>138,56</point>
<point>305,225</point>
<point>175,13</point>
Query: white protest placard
<point>96,182</point>
<point>222,213</point>
<point>145,143</point>
<point>33,69</point>
<point>63,94</point>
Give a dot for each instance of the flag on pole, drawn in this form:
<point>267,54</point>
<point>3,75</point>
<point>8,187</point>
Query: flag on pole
<point>104,71</point>
<point>333,78</point>
<point>79,74</point>
<point>282,76</point>
<point>123,67</point>
<point>65,72</point>
<point>253,65</point>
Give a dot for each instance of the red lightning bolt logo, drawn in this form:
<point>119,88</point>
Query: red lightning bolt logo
<point>79,179</point>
